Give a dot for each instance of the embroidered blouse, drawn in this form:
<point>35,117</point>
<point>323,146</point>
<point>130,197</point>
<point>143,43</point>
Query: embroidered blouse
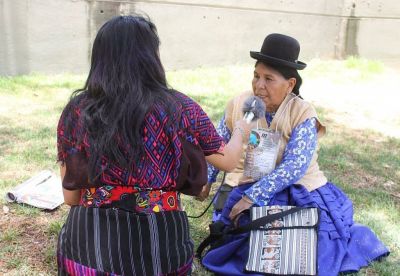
<point>296,159</point>
<point>157,171</point>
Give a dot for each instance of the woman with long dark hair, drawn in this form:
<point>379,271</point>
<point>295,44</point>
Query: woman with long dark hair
<point>121,147</point>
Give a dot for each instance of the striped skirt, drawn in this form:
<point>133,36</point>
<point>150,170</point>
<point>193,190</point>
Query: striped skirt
<point>100,241</point>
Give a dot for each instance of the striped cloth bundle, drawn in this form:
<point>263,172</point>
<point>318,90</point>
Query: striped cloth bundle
<point>286,245</point>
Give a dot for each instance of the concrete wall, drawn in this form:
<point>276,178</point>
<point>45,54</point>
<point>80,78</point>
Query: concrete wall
<point>43,36</point>
<point>55,36</point>
<point>225,33</point>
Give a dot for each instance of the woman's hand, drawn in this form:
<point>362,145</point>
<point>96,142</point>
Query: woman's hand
<point>243,204</point>
<point>229,158</point>
<point>204,192</point>
<point>244,128</point>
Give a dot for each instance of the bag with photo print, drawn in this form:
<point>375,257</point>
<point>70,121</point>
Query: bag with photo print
<point>283,240</point>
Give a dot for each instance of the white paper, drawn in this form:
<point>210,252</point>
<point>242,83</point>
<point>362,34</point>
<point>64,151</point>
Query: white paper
<point>43,190</point>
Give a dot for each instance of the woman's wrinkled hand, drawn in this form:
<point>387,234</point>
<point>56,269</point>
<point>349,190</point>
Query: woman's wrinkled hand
<point>243,204</point>
<point>204,193</point>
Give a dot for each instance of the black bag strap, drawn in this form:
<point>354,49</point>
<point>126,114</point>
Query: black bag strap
<point>260,222</point>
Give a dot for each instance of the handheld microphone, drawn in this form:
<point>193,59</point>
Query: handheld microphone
<point>253,109</point>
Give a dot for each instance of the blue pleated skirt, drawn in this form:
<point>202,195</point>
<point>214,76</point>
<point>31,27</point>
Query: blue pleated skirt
<point>343,246</point>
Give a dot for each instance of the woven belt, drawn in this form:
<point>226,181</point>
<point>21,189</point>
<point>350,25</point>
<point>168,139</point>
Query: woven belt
<point>146,202</point>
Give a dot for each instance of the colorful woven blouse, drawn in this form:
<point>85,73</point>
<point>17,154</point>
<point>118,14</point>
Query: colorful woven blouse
<point>154,179</point>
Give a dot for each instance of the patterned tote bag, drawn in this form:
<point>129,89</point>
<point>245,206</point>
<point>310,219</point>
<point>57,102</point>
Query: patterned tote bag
<point>283,240</point>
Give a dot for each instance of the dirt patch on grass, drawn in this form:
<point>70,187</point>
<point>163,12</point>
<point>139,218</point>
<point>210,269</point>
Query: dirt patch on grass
<point>27,241</point>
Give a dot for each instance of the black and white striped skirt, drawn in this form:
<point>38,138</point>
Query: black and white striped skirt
<point>109,241</point>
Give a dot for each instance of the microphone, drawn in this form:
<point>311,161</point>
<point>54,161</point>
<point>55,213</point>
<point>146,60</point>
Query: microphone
<point>253,109</point>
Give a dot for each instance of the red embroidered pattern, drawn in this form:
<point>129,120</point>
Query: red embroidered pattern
<point>146,201</point>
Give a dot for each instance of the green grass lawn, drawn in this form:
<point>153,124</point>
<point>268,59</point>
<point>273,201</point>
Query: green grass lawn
<point>363,162</point>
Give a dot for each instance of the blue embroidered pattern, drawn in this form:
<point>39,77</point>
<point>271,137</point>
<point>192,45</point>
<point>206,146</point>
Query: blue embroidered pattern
<point>296,159</point>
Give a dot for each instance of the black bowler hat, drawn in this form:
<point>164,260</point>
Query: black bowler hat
<point>280,50</point>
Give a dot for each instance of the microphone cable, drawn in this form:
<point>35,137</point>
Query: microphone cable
<point>211,202</point>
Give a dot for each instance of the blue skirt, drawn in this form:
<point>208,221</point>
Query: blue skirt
<point>343,246</point>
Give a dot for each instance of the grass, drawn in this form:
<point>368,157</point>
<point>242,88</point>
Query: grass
<point>361,167</point>
<point>9,236</point>
<point>363,161</point>
<point>347,71</point>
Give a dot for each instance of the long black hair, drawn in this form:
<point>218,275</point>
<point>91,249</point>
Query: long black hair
<point>125,81</point>
<point>287,73</point>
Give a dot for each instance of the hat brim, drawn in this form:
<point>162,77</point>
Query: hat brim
<point>276,61</point>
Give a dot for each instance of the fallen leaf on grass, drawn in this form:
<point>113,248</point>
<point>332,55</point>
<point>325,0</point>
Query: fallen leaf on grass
<point>6,209</point>
<point>395,195</point>
<point>389,185</point>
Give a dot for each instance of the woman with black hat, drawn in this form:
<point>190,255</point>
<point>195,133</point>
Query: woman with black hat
<point>296,179</point>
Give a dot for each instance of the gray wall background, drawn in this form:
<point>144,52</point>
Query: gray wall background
<point>54,36</point>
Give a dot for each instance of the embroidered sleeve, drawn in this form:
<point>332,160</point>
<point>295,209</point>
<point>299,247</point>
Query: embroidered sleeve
<point>202,127</point>
<point>296,159</point>
<point>67,129</point>
<point>225,133</point>
<point>71,134</point>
